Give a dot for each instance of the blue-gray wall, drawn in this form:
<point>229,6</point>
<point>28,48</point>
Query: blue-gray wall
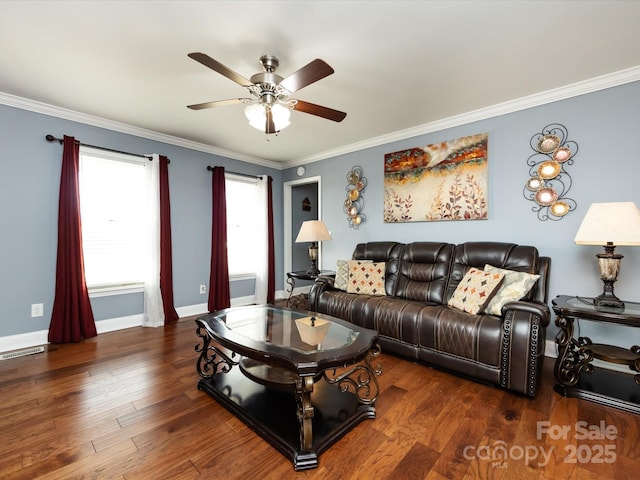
<point>606,127</point>
<point>29,184</point>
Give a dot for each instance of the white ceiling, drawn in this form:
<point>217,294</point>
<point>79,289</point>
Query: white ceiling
<point>400,66</point>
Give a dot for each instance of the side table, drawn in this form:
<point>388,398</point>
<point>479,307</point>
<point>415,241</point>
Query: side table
<point>575,374</point>
<point>303,275</point>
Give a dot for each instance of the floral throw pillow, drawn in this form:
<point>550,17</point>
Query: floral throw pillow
<point>475,290</point>
<point>514,287</point>
<point>366,277</point>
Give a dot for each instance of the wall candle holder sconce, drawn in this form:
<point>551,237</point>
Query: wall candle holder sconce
<point>354,202</point>
<point>549,181</point>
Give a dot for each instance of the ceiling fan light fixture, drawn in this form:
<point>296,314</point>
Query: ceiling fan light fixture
<point>270,107</point>
<point>281,115</point>
<point>256,113</point>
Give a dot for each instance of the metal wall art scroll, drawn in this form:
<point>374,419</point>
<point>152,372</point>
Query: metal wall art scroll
<point>356,183</point>
<point>549,180</point>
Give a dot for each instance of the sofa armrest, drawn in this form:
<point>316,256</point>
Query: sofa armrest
<point>324,279</point>
<point>523,345</point>
<point>533,308</point>
<point>321,284</point>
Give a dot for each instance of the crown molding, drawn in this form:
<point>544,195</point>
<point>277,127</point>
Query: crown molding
<point>67,114</point>
<point>573,90</point>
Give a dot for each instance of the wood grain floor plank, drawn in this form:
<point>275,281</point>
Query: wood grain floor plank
<point>125,406</point>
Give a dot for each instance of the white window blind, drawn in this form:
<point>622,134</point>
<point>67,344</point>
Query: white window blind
<point>113,209</point>
<point>242,203</point>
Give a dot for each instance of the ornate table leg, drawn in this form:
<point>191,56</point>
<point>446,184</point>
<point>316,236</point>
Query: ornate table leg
<point>574,355</point>
<point>636,365</point>
<point>292,283</point>
<point>304,388</point>
<point>212,360</point>
<point>360,378</point>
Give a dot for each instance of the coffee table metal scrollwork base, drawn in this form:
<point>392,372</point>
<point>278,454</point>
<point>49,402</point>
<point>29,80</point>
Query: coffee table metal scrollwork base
<point>301,415</point>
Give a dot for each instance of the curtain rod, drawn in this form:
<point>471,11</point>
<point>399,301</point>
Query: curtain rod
<point>51,138</point>
<point>210,168</point>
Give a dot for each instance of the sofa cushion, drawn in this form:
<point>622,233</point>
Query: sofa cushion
<point>424,271</point>
<point>515,286</point>
<point>519,258</point>
<point>475,290</point>
<point>366,277</point>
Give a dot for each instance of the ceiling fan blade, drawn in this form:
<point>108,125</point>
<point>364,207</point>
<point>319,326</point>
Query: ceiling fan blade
<point>218,103</point>
<point>310,73</point>
<point>320,111</point>
<point>207,61</point>
<point>270,127</point>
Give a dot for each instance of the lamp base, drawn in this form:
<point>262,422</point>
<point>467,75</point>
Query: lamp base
<point>608,300</point>
<point>313,257</point>
<point>609,264</point>
<point>313,271</point>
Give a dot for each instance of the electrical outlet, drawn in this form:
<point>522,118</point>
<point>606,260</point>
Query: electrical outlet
<point>37,310</point>
<point>203,289</point>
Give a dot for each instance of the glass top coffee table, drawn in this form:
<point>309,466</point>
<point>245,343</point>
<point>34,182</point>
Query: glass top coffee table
<point>302,380</point>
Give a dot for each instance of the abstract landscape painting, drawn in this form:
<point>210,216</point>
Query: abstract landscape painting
<point>443,181</point>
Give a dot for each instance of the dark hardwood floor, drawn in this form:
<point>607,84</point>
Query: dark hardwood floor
<point>125,405</point>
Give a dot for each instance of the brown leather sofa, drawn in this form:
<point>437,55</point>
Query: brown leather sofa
<point>414,321</point>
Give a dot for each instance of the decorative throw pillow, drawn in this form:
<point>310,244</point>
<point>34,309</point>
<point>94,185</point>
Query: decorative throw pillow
<point>342,274</point>
<point>475,290</point>
<point>366,277</point>
<point>514,287</point>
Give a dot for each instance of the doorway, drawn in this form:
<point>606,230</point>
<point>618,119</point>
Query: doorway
<point>297,210</point>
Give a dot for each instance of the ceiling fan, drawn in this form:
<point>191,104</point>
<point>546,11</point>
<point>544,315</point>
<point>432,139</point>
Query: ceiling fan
<point>270,104</point>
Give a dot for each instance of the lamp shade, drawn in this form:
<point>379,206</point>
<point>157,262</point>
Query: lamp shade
<point>616,223</point>
<point>313,231</point>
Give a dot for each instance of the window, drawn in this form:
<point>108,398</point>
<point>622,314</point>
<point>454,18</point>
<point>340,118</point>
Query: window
<point>113,209</point>
<point>243,207</point>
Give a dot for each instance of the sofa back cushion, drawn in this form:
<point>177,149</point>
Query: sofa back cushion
<point>424,271</point>
<point>509,256</point>
<point>387,252</point>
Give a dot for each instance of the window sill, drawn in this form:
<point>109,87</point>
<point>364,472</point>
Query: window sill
<point>242,276</point>
<point>109,290</point>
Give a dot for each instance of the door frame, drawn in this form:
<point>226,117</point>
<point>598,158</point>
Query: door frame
<point>287,210</point>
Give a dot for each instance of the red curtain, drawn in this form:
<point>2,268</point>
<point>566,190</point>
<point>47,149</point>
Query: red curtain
<point>271,280</point>
<point>219,295</point>
<point>166,262</point>
<point>72,316</point>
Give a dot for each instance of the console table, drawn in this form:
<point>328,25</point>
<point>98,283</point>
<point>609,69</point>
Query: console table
<point>575,375</point>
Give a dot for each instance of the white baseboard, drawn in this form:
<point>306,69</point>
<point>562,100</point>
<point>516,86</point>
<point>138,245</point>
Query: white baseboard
<point>190,310</point>
<point>23,340</point>
<point>113,324</point>
<point>34,339</point>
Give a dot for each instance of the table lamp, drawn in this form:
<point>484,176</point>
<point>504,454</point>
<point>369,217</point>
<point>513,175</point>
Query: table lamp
<point>610,225</point>
<point>313,231</point>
